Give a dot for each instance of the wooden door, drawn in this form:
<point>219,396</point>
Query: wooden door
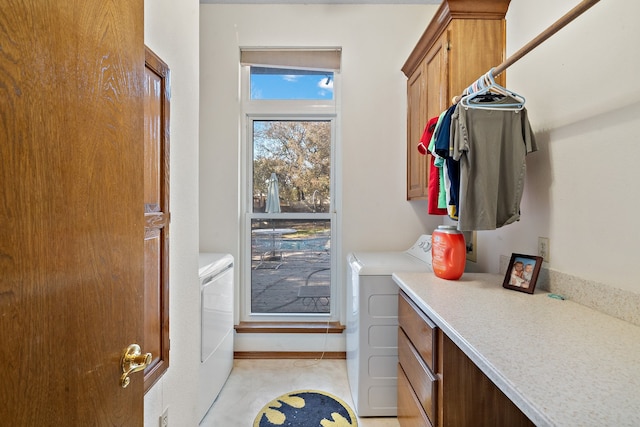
<point>156,213</point>
<point>71,219</point>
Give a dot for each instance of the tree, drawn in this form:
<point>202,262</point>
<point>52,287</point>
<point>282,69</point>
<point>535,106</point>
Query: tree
<point>299,152</point>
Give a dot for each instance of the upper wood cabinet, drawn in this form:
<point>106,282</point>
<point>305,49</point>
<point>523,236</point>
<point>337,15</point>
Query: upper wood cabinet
<point>464,40</point>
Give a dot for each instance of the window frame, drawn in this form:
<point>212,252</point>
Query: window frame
<point>287,110</point>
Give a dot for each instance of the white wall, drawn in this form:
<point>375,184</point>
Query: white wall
<point>376,40</point>
<point>583,98</point>
<point>171,31</point>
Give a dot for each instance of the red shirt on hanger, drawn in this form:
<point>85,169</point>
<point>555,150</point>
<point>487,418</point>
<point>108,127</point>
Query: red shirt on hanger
<point>433,186</point>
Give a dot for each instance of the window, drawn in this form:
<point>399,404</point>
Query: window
<point>290,123</point>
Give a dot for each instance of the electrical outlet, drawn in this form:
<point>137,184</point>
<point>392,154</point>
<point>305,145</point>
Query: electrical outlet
<point>471,242</point>
<point>164,418</point>
<point>543,248</point>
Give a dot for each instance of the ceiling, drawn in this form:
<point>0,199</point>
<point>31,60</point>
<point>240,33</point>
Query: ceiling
<point>322,1</point>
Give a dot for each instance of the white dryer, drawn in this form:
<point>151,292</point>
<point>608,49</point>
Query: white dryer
<point>216,327</point>
<point>372,324</point>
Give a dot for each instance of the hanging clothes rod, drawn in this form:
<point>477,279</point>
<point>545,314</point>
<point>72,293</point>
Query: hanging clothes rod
<point>554,28</point>
<point>551,30</point>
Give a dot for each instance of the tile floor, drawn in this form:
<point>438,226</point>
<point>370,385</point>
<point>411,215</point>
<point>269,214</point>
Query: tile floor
<point>253,383</point>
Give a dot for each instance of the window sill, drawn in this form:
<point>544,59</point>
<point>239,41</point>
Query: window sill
<point>289,328</point>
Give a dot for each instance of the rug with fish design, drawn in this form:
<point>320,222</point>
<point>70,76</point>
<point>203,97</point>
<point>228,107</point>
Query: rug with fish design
<point>306,408</point>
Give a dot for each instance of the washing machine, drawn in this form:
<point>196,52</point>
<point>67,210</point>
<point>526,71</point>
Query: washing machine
<point>372,324</point>
<point>216,327</point>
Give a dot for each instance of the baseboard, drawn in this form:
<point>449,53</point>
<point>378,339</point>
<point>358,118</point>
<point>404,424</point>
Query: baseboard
<point>289,355</point>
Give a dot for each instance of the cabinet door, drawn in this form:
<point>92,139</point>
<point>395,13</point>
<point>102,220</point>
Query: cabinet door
<point>437,77</point>
<point>475,46</point>
<point>470,398</point>
<point>428,90</point>
<point>417,171</point>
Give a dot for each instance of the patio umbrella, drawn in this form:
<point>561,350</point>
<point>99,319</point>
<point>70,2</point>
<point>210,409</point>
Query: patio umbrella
<point>273,196</point>
<point>273,206</point>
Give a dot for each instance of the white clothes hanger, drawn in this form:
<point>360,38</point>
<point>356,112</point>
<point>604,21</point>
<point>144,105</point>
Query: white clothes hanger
<point>486,85</point>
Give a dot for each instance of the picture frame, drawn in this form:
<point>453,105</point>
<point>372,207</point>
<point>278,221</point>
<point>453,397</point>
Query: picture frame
<point>522,273</point>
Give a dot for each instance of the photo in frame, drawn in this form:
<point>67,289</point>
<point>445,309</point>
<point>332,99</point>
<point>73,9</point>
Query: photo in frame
<point>522,273</point>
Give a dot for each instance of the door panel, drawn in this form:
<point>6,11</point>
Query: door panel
<point>71,252</point>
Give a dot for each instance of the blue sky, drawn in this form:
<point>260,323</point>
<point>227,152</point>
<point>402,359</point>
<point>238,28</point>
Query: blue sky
<point>289,86</point>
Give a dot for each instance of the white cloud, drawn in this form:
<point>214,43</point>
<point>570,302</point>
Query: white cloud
<point>290,77</point>
<point>323,84</point>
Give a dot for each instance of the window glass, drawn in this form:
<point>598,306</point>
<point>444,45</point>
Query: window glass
<point>288,84</point>
<point>291,160</point>
<point>291,257</point>
<point>290,266</point>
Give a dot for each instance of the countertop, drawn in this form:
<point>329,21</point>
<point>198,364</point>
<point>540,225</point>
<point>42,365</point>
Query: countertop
<point>561,363</point>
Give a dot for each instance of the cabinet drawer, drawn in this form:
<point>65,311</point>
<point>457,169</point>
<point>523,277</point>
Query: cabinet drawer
<point>422,380</point>
<point>419,328</point>
<point>410,412</point>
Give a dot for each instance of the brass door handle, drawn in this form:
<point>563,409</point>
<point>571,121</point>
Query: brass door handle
<point>133,361</point>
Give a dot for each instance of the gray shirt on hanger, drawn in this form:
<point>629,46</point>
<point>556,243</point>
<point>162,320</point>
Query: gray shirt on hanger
<point>491,146</point>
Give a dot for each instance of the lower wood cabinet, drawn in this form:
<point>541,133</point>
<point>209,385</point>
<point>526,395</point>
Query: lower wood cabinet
<point>440,386</point>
